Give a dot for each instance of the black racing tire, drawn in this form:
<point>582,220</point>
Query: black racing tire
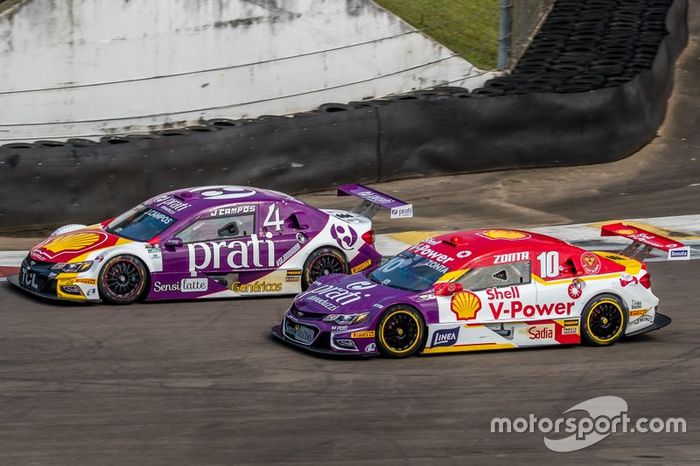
<point>604,320</point>
<point>400,332</point>
<point>323,261</point>
<point>122,280</point>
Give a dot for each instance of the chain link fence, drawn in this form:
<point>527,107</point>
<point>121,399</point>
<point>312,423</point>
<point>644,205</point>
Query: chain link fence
<point>489,33</point>
<point>525,19</point>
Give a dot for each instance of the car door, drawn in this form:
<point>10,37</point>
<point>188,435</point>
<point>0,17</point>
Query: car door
<point>491,293</point>
<point>217,245</point>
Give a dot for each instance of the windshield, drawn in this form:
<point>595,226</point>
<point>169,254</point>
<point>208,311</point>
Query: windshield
<point>409,271</point>
<point>140,224</point>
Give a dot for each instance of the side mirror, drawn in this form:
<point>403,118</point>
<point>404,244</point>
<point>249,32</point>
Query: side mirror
<point>173,243</point>
<point>448,289</point>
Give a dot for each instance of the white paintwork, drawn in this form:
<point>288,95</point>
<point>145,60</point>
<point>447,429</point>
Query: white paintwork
<point>87,68</point>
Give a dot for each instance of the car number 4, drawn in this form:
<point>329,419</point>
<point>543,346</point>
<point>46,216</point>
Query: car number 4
<point>272,219</point>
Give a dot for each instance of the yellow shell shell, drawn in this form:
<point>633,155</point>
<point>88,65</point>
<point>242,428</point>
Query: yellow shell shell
<point>465,304</point>
<point>71,242</point>
<point>505,234</point>
<point>626,231</point>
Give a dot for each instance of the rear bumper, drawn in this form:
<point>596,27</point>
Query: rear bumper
<point>660,321</point>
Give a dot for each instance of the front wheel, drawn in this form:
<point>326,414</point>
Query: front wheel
<point>603,320</point>
<point>400,332</point>
<point>324,261</point>
<point>122,280</point>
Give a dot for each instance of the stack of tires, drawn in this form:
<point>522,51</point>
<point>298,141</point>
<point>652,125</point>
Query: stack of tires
<point>585,45</point>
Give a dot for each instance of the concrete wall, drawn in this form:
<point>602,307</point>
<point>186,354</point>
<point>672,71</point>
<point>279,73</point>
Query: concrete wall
<point>88,68</point>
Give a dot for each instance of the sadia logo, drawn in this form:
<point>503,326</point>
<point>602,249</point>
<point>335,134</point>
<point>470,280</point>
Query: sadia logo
<point>445,337</point>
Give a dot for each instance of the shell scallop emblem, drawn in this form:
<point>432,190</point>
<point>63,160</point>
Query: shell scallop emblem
<point>72,242</point>
<point>465,305</point>
<point>626,231</point>
<point>505,234</point>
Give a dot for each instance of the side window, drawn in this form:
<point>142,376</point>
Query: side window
<point>212,229</point>
<point>494,276</point>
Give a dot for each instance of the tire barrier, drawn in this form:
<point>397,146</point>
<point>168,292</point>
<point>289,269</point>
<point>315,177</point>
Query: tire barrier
<point>592,88</point>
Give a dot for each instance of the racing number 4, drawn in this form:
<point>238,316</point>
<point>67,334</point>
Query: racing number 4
<point>272,219</point>
<point>549,264</point>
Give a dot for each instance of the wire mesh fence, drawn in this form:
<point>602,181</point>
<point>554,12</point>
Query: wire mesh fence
<point>488,33</point>
<point>526,16</point>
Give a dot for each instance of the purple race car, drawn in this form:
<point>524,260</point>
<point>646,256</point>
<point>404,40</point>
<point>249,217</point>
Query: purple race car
<point>207,242</point>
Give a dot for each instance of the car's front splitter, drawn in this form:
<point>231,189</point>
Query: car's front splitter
<point>14,280</point>
<point>276,331</point>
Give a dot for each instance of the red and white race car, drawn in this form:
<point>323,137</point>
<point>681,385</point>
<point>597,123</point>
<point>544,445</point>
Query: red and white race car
<point>482,290</point>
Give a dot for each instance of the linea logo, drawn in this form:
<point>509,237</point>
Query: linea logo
<point>445,337</point>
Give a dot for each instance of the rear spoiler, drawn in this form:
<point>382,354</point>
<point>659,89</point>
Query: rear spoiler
<point>373,200</point>
<point>643,242</point>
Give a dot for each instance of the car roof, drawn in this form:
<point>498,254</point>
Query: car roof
<point>468,246</point>
<point>185,202</point>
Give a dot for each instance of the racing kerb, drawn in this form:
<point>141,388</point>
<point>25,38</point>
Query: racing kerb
<point>53,183</point>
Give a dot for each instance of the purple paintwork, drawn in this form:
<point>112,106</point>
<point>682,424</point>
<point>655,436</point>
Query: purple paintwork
<point>251,259</point>
<point>347,295</point>
<point>218,241</point>
<point>397,207</point>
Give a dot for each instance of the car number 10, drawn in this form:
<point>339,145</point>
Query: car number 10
<point>549,264</point>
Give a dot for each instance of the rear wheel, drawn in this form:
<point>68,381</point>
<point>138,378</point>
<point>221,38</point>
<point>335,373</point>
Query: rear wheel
<point>603,320</point>
<point>321,262</point>
<point>122,280</point>
<point>400,332</point>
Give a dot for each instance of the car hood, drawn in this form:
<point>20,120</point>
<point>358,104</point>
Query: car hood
<point>73,246</point>
<point>348,294</point>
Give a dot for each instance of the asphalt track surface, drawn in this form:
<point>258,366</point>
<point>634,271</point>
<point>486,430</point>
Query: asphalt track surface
<point>202,383</point>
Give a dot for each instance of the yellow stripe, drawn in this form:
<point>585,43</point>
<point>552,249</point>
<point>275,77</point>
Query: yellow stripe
<point>413,237</point>
<point>631,266</point>
<point>450,276</point>
<point>465,348</point>
<point>569,280</point>
<point>82,257</point>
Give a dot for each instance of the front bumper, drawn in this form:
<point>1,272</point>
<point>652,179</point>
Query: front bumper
<point>324,341</point>
<point>276,331</point>
<point>38,280</point>
<point>15,280</point>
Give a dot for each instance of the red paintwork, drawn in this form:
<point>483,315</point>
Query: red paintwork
<point>471,248</point>
<point>639,235</point>
<point>64,248</point>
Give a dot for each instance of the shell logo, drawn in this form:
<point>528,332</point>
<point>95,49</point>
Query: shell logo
<point>505,234</point>
<point>72,242</point>
<point>465,305</point>
<point>626,231</point>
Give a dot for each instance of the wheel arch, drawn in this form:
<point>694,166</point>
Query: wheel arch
<point>126,251</point>
<point>405,305</point>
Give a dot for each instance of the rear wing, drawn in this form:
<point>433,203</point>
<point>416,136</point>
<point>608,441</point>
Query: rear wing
<point>643,242</point>
<point>373,201</point>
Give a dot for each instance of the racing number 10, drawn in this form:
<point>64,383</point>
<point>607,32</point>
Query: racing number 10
<point>549,264</point>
